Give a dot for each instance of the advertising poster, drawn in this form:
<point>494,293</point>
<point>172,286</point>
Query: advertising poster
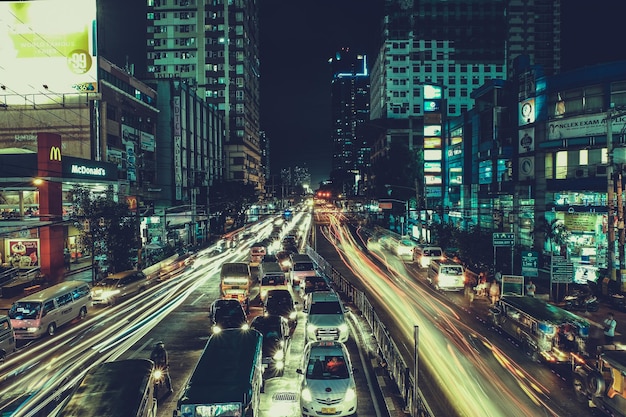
<point>22,253</point>
<point>48,46</point>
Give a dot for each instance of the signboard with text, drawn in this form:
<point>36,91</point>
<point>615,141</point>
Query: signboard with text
<point>562,270</point>
<point>504,239</point>
<point>530,263</point>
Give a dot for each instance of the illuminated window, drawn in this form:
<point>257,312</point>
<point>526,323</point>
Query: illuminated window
<point>561,165</point>
<point>583,157</point>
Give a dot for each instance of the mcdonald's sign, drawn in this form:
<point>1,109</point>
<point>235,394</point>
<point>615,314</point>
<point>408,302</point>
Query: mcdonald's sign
<point>132,202</point>
<point>55,153</point>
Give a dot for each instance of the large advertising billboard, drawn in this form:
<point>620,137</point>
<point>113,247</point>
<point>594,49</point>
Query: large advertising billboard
<point>48,47</point>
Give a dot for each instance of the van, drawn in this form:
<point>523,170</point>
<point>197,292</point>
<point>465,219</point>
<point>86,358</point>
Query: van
<point>446,275</point>
<point>325,317</point>
<point>301,266</point>
<point>44,311</point>
<point>422,255</point>
<point>7,338</point>
<point>117,286</point>
<point>235,282</point>
<point>271,276</point>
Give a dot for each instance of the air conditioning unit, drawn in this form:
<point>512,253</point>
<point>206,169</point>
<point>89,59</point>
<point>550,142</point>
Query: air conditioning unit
<point>601,170</point>
<point>581,172</point>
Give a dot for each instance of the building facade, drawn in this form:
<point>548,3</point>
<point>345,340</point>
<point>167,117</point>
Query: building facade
<point>349,113</point>
<point>214,47</point>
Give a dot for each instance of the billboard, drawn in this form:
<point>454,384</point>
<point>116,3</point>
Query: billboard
<point>22,253</point>
<point>48,47</point>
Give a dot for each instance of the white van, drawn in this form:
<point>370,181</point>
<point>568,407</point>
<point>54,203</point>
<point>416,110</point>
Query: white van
<point>446,275</point>
<point>422,255</point>
<point>325,317</point>
<point>7,338</point>
<point>44,311</point>
<point>271,277</point>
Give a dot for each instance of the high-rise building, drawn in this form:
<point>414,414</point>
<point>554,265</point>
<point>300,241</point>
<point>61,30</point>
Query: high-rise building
<point>214,46</point>
<point>433,55</point>
<point>350,112</point>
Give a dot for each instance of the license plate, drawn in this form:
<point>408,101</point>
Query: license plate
<point>326,410</point>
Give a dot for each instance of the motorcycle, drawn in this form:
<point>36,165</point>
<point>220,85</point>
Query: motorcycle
<point>158,376</point>
<point>581,300</point>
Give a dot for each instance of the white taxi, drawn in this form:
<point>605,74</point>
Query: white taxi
<point>327,384</point>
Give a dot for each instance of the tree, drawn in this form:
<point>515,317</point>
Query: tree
<point>108,227</point>
<point>231,199</point>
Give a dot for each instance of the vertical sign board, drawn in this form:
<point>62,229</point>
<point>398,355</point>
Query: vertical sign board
<point>562,270</point>
<point>530,261</point>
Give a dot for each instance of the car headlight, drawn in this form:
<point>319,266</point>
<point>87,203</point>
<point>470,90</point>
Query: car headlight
<point>306,395</point>
<point>245,326</point>
<point>350,394</point>
<point>343,327</point>
<point>32,329</point>
<point>293,315</point>
<point>279,355</point>
<point>217,329</point>
<point>311,328</point>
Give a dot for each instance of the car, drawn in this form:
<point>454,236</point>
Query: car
<point>313,283</point>
<point>118,286</point>
<point>275,331</point>
<point>280,302</point>
<point>327,385</point>
<point>325,317</point>
<point>227,314</point>
<point>284,260</point>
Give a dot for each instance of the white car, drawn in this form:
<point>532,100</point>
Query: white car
<point>327,384</point>
<point>325,319</point>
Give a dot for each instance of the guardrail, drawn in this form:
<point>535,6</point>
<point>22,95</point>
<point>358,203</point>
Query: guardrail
<point>397,368</point>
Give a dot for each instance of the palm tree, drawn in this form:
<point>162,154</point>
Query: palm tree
<point>555,233</point>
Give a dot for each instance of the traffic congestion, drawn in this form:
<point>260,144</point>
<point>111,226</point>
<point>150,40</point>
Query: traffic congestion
<point>294,340</point>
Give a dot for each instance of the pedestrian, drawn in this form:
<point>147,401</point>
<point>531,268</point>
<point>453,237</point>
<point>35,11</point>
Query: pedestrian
<point>530,288</point>
<point>469,292</point>
<point>609,328</point>
<point>494,292</point>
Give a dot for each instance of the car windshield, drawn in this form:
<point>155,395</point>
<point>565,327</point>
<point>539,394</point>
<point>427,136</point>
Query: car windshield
<point>303,266</point>
<point>325,307</point>
<point>108,282</point>
<point>25,310</point>
<point>274,280</point>
<point>277,305</point>
<point>327,367</point>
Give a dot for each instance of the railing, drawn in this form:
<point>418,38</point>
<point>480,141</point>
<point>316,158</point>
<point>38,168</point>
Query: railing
<point>397,368</point>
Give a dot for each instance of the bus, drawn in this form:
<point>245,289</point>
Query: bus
<point>43,312</point>
<point>235,282</point>
<point>228,378</point>
<point>116,388</point>
<point>544,330</point>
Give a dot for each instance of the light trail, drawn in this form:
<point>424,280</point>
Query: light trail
<point>464,363</point>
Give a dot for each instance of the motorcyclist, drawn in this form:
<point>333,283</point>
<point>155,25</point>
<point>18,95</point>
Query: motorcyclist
<point>160,359</point>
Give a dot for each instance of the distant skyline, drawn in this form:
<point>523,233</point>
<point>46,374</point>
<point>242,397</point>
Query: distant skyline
<point>298,38</point>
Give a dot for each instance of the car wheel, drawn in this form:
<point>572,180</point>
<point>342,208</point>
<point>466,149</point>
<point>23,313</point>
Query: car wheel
<point>82,313</point>
<point>52,329</point>
<point>579,389</point>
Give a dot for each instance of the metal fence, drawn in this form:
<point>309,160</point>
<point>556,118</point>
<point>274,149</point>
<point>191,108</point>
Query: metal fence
<point>389,353</point>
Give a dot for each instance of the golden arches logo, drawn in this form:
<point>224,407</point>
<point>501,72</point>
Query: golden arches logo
<point>55,153</point>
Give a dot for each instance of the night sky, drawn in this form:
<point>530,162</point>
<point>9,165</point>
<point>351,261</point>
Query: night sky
<point>297,39</point>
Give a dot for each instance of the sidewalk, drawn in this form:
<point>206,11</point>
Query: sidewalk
<point>80,271</point>
<point>480,306</point>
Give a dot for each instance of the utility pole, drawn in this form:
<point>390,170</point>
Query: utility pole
<point>609,196</point>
